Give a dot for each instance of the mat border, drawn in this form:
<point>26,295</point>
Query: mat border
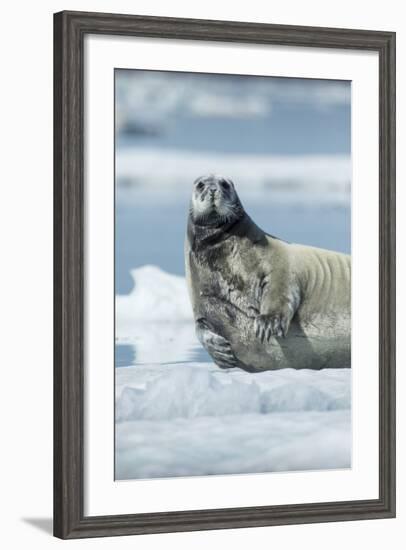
<point>69,31</point>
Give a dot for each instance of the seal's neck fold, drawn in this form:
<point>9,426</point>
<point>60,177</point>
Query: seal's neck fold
<point>201,236</point>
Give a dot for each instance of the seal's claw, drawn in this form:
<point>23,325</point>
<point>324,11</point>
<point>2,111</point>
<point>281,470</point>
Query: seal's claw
<point>261,327</point>
<point>270,325</point>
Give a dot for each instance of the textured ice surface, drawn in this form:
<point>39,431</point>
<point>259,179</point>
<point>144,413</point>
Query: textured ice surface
<point>178,417</point>
<point>196,390</point>
<point>196,419</point>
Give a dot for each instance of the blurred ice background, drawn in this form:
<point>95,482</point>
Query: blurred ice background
<point>286,144</point>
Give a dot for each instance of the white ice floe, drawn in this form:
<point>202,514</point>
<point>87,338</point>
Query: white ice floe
<point>233,445</point>
<point>174,391</point>
<point>156,317</point>
<point>315,177</point>
<point>195,420</point>
<point>156,296</point>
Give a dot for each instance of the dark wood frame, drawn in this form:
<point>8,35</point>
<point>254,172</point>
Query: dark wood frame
<point>69,31</point>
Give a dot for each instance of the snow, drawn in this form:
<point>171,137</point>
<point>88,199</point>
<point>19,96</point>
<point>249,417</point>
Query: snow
<point>195,390</point>
<point>197,420</point>
<point>156,317</point>
<point>233,445</point>
<point>176,416</point>
<point>157,296</point>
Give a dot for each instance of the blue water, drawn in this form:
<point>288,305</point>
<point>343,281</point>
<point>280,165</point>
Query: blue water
<point>285,131</point>
<point>125,355</point>
<point>154,234</point>
<point>297,120</point>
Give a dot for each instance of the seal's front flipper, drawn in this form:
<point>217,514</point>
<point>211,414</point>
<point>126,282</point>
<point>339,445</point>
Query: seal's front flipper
<point>217,346</point>
<point>279,301</point>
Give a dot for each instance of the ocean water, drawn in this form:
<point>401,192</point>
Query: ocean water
<point>153,232</point>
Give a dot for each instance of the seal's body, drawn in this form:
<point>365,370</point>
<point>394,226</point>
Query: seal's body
<point>261,303</point>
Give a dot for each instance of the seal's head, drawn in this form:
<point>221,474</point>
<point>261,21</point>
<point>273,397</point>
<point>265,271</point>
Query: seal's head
<point>215,201</point>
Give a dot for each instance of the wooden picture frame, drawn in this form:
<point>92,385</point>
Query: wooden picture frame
<point>70,29</point>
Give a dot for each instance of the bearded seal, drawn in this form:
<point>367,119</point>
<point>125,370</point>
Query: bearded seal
<point>261,303</point>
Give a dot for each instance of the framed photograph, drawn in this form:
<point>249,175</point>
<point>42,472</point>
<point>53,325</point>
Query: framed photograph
<point>224,274</point>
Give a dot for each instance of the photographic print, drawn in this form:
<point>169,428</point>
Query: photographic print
<point>232,274</point>
<point>224,274</point>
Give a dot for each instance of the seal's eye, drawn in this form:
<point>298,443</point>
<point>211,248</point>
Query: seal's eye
<point>200,186</point>
<point>224,184</point>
